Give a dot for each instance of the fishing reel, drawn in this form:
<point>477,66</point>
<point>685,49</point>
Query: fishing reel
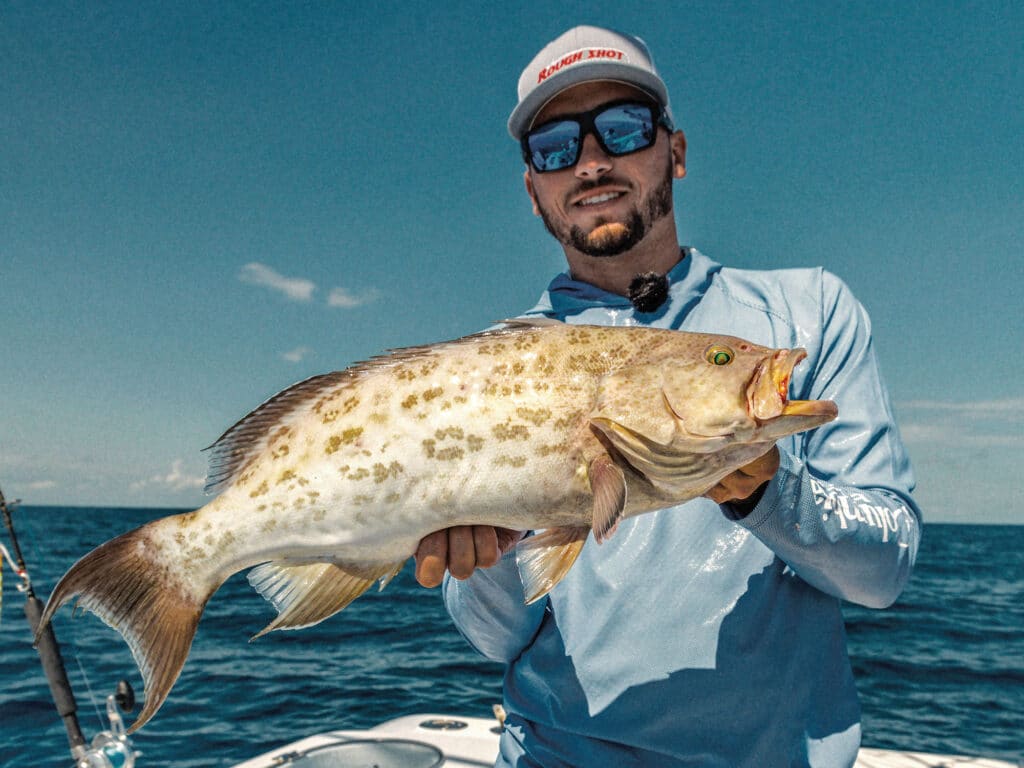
<point>112,748</point>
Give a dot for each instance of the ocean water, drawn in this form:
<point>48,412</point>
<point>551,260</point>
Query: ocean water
<point>941,671</point>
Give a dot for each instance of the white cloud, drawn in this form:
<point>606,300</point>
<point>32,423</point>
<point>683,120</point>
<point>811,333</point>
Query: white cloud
<point>175,480</point>
<point>296,355</point>
<point>339,297</point>
<point>295,288</point>
<point>1007,405</point>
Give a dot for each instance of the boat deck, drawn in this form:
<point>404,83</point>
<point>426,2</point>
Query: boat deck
<point>433,740</point>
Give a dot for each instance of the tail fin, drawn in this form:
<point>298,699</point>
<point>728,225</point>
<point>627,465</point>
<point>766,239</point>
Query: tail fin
<point>128,585</point>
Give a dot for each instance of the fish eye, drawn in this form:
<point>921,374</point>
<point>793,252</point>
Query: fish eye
<point>719,355</point>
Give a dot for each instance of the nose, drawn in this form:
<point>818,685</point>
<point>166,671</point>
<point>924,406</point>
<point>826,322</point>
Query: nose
<point>594,162</point>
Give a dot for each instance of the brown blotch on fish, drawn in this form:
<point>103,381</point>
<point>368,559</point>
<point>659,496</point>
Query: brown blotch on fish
<point>474,442</point>
<point>433,392</point>
<point>511,432</point>
<point>281,452</point>
<point>455,433</point>
<point>382,473</point>
<point>535,416</point>
<point>450,453</point>
<point>360,474</point>
<point>351,435</point>
<point>410,401</point>
<point>509,461</point>
<point>260,490</point>
<point>553,449</point>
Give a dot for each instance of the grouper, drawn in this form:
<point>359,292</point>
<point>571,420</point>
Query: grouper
<point>327,487</point>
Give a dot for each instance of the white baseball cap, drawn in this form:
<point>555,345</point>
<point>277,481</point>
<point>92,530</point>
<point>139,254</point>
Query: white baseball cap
<point>582,55</point>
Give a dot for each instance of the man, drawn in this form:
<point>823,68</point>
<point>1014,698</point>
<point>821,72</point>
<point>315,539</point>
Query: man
<point>709,634</point>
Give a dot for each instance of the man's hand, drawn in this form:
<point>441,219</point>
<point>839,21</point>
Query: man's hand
<point>461,550</point>
<point>745,482</point>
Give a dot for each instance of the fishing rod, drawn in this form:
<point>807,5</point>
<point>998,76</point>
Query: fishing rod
<point>110,749</point>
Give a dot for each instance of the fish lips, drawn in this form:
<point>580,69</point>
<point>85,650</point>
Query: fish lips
<point>768,393</point>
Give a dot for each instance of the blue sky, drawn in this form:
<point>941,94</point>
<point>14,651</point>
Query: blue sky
<point>201,203</point>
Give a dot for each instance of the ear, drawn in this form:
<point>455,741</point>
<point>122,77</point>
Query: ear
<point>677,141</point>
<point>529,190</point>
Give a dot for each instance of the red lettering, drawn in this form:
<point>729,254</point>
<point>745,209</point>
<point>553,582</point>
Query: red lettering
<point>566,61</point>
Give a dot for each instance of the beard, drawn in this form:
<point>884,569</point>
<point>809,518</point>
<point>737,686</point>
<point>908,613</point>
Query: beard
<point>609,237</point>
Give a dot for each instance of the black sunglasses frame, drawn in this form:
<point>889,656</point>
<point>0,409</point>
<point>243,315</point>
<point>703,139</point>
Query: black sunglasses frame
<point>585,120</point>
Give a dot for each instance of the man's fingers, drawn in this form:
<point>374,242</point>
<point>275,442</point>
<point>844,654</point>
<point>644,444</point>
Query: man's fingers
<point>745,481</point>
<point>461,551</point>
<point>432,558</point>
<point>485,540</point>
<point>762,468</point>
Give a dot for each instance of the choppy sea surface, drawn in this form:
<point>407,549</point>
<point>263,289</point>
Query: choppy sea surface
<point>941,671</point>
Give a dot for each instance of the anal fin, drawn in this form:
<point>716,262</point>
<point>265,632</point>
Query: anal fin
<point>307,593</point>
<point>544,559</point>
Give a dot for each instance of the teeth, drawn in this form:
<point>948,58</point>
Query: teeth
<point>596,199</point>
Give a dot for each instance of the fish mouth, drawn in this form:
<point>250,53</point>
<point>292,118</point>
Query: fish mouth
<point>768,391</point>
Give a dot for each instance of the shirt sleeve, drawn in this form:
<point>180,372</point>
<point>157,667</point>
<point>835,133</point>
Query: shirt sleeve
<point>489,610</point>
<point>839,511</point>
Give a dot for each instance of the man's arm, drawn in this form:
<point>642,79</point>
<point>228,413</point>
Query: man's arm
<point>838,510</point>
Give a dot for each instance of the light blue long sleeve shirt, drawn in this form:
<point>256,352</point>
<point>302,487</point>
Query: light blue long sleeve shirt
<point>697,637</point>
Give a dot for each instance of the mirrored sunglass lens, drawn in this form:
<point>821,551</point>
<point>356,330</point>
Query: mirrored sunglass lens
<point>554,146</point>
<point>626,128</point>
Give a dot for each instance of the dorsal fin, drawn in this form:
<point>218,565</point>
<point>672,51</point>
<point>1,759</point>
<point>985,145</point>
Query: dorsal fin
<point>233,450</point>
<point>247,437</point>
<point>531,321</point>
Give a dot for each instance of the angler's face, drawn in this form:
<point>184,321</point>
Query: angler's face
<point>604,204</point>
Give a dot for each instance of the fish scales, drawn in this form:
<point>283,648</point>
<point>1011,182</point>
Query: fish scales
<point>331,484</point>
<point>486,430</point>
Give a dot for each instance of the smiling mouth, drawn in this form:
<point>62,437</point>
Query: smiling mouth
<point>599,199</point>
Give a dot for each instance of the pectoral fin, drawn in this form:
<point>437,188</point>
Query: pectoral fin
<point>308,593</point>
<point>608,484</point>
<point>679,474</point>
<point>544,559</point>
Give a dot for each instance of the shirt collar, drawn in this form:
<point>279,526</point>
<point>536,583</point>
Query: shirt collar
<point>687,282</point>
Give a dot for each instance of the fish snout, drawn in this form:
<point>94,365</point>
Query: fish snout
<point>768,393</point>
<point>768,389</point>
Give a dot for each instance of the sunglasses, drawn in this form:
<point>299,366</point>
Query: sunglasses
<point>620,127</point>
